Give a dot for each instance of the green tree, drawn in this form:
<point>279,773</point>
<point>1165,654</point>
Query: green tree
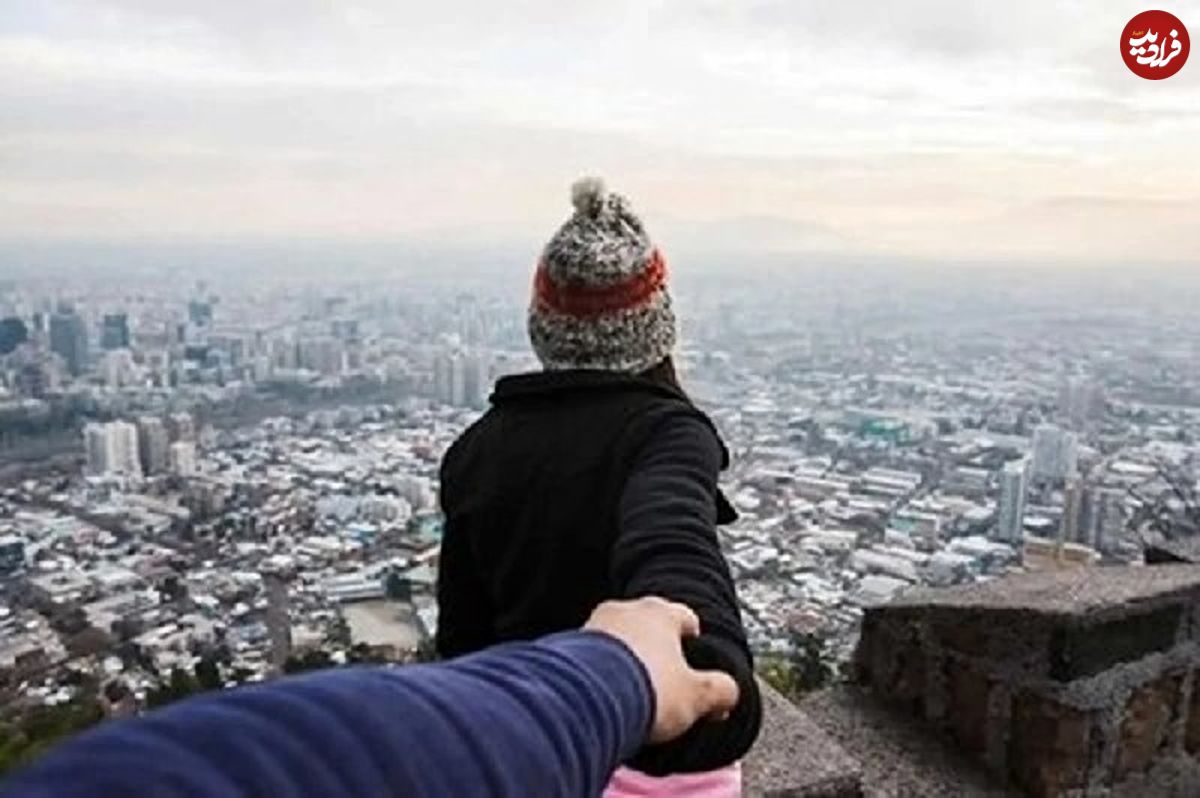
<point>208,675</point>
<point>397,587</point>
<point>804,670</point>
<point>312,660</point>
<point>180,685</point>
<point>810,658</point>
<point>777,672</point>
<point>339,631</point>
<point>24,738</point>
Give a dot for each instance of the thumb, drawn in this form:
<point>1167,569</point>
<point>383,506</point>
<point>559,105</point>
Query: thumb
<point>716,694</point>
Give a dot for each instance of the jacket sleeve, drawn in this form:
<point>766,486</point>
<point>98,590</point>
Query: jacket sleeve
<point>550,718</point>
<point>464,607</point>
<point>667,546</point>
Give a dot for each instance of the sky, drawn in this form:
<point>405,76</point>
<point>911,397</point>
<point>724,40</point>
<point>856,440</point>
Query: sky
<point>943,129</point>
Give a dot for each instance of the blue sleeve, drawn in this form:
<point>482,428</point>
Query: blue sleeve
<point>549,718</point>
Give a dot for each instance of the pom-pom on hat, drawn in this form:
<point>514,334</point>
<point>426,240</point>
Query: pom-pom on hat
<point>600,297</point>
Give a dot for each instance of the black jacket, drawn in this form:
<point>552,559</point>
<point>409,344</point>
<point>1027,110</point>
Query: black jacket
<point>581,486</point>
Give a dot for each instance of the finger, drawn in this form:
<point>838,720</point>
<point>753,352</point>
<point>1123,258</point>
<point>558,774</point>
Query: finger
<point>687,620</point>
<point>716,693</point>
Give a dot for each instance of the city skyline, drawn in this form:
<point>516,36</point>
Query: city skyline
<point>901,373</point>
<point>208,482</point>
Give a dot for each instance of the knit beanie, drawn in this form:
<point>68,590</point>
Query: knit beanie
<point>600,296</point>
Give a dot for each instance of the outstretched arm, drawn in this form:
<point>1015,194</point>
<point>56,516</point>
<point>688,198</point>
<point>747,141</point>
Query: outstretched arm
<point>667,546</point>
<point>549,718</point>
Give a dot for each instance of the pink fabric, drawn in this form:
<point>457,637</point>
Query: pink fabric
<point>723,783</point>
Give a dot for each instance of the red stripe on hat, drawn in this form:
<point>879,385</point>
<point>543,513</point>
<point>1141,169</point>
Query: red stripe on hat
<point>585,301</point>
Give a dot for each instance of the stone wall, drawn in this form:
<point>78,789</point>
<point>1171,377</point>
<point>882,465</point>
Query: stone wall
<point>1077,682</point>
<point>795,758</point>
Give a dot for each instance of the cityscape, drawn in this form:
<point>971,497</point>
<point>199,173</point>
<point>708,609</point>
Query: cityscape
<point>930,270</point>
<point>244,471</point>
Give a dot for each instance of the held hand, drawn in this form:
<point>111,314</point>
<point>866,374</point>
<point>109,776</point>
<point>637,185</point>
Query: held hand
<point>653,630</point>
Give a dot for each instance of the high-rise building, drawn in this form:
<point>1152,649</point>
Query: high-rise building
<point>181,426</point>
<point>157,367</point>
<point>1055,453</point>
<point>181,458</point>
<point>462,379</point>
<point>200,313</point>
<point>36,372</point>
<point>261,368</point>
<point>112,448</point>
<point>1102,518</point>
<point>1080,401</point>
<point>283,353</point>
<point>69,340</point>
<point>95,447</point>
<point>123,443</point>
<point>114,331</point>
<point>32,380</point>
<point>118,369</point>
<point>153,445</point>
<point>323,354</point>
<point>1010,516</point>
<point>445,368</point>
<point>39,326</point>
<point>1046,450</point>
<point>477,382</point>
<point>233,347</point>
<point>1070,528</point>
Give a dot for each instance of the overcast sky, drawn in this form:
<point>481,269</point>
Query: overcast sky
<point>935,128</point>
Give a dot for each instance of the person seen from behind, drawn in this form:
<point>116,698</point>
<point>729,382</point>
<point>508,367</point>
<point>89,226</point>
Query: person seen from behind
<point>595,478</point>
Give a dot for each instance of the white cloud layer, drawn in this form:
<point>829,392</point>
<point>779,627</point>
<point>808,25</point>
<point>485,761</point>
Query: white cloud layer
<point>930,128</point>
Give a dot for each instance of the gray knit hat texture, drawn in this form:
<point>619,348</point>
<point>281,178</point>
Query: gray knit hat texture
<point>600,298</point>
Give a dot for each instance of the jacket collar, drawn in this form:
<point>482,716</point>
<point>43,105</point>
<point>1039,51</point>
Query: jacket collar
<point>553,383</point>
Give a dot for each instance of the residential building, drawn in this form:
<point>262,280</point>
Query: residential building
<point>1010,515</point>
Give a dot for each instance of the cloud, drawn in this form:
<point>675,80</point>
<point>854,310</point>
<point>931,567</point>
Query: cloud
<point>853,126</point>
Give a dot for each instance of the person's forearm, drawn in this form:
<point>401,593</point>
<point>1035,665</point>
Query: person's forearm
<point>549,718</point>
<point>667,546</point>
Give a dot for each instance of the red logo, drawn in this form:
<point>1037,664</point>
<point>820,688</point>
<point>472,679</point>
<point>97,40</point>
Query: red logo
<point>1155,45</point>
